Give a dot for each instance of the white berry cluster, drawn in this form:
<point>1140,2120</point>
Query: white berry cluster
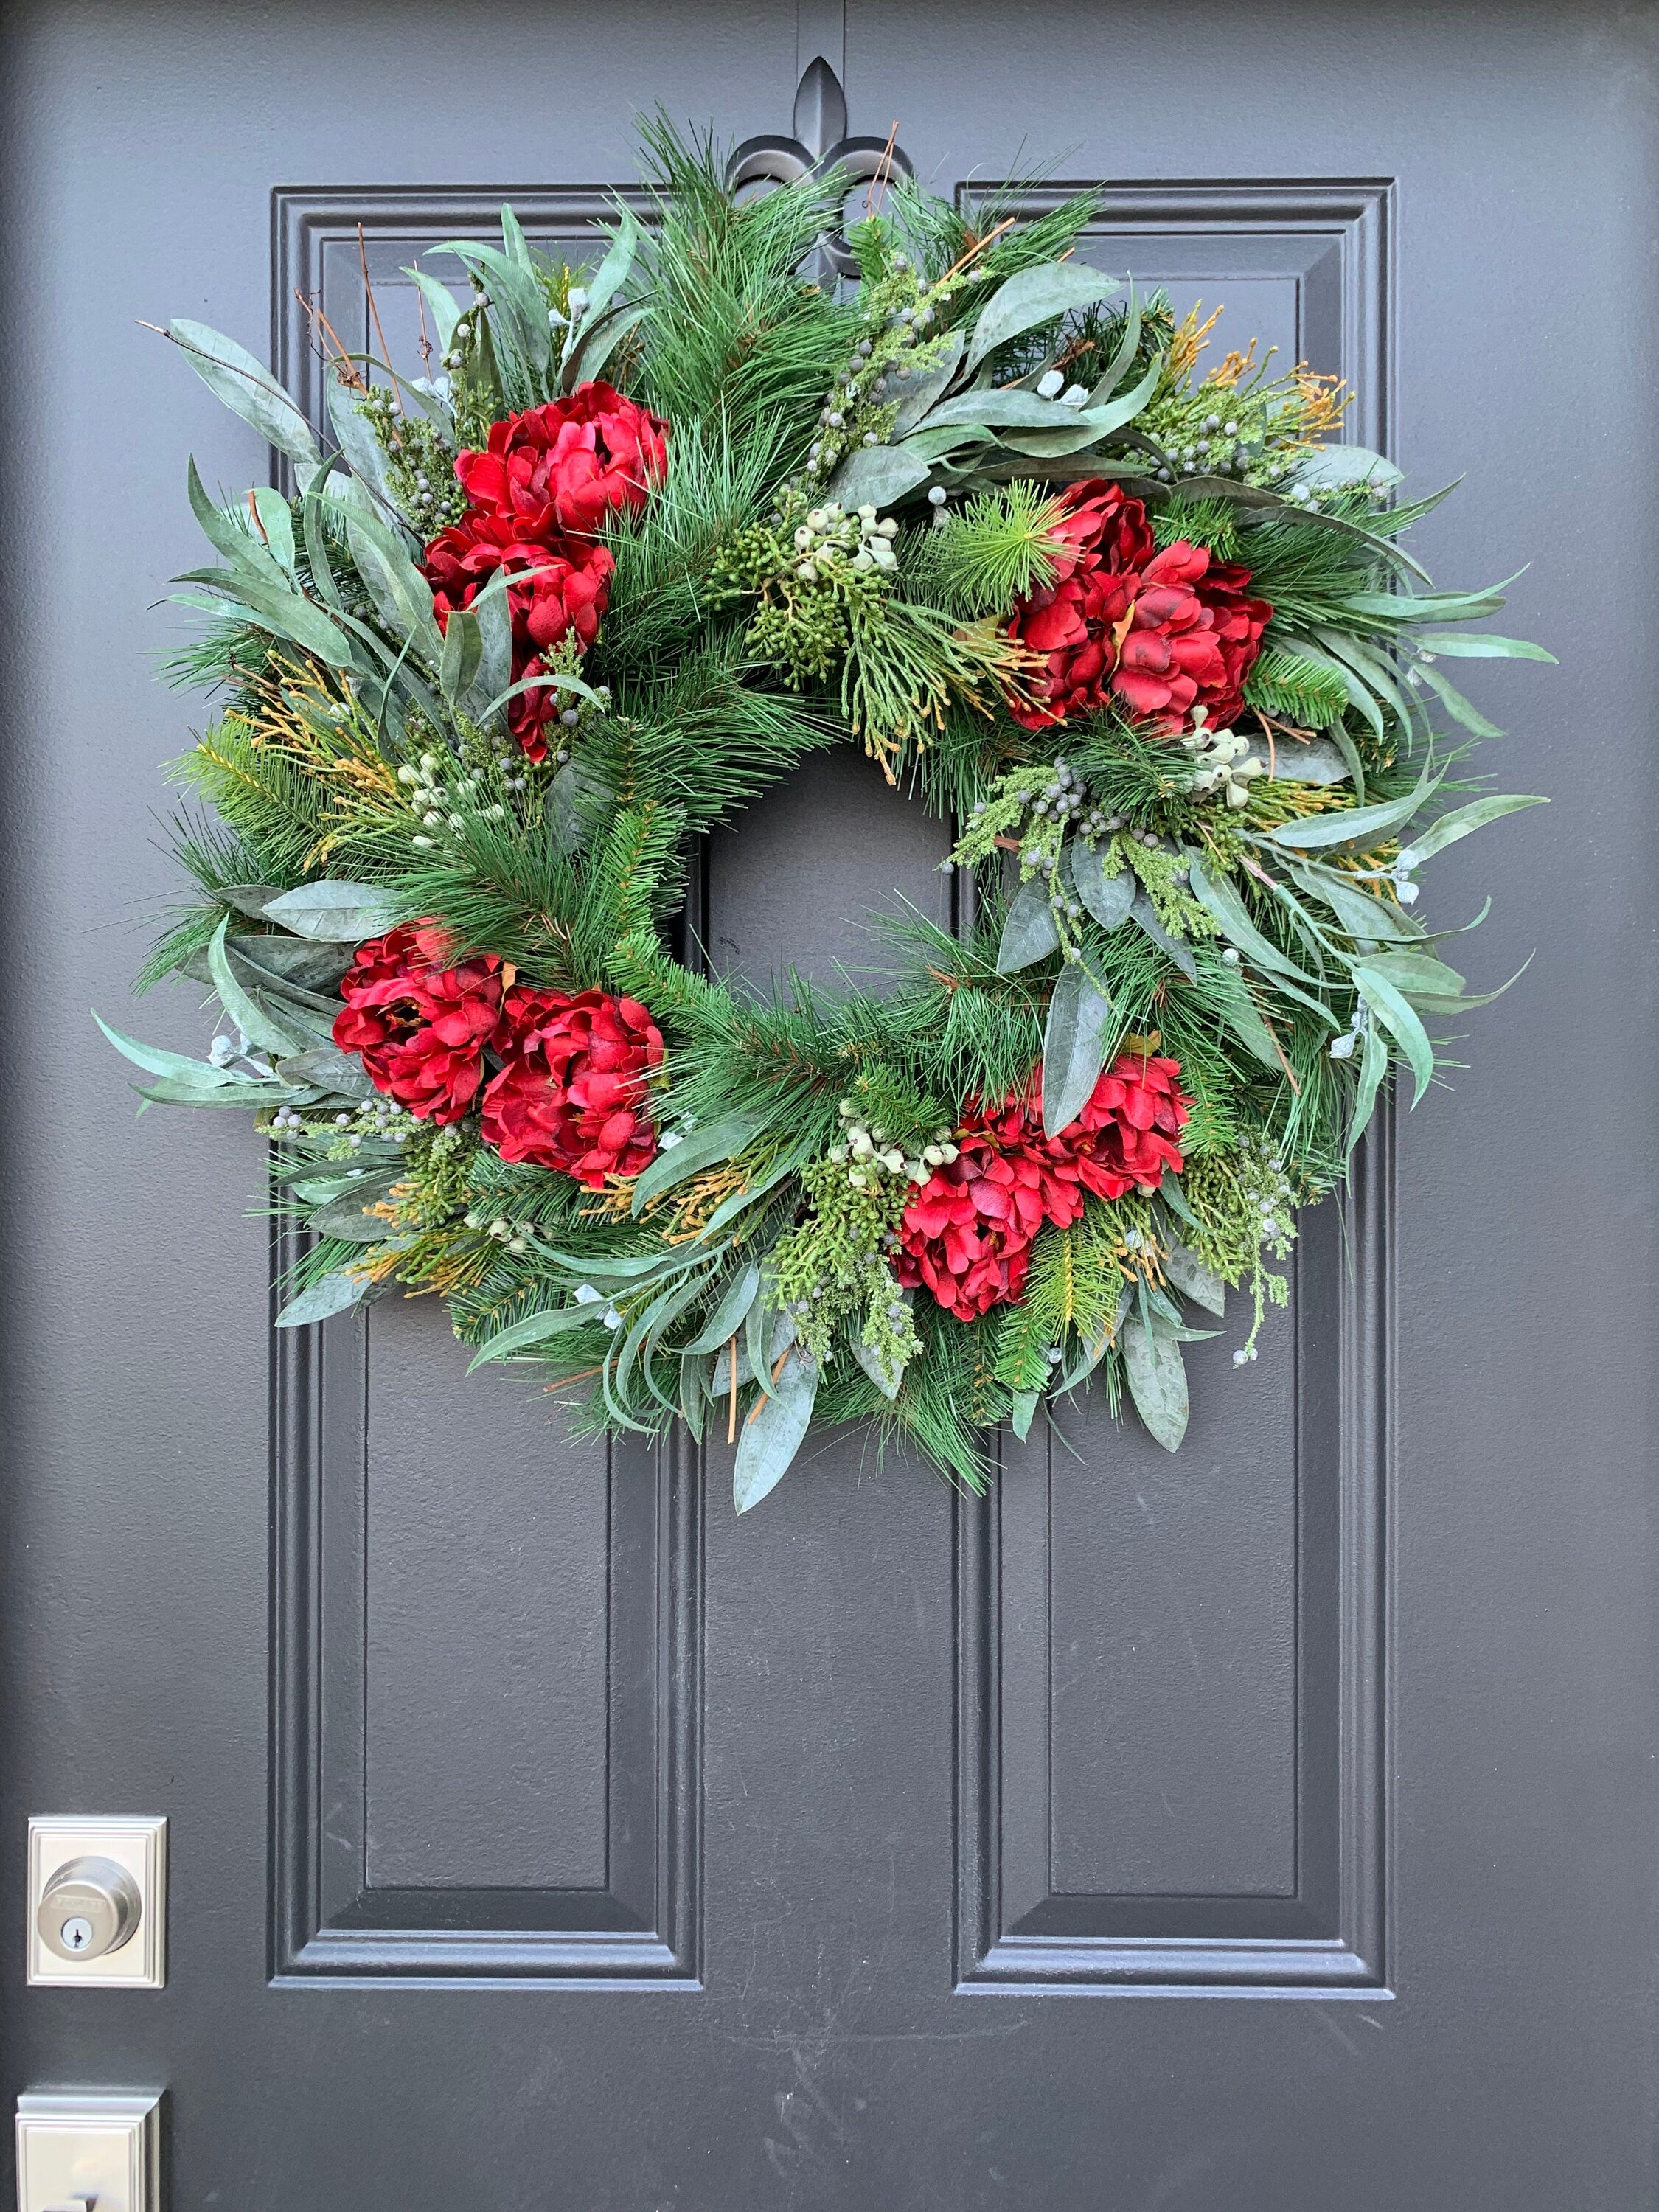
<point>829,535</point>
<point>514,1235</point>
<point>1222,760</point>
<point>867,1155</point>
<point>447,804</point>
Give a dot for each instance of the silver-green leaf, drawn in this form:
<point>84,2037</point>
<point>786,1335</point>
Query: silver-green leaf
<point>1157,1376</point>
<point>1029,932</point>
<point>1194,1280</point>
<point>329,1295</point>
<point>1081,1028</point>
<point>774,1431</point>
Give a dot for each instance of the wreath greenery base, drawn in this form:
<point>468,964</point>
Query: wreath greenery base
<point>632,546</point>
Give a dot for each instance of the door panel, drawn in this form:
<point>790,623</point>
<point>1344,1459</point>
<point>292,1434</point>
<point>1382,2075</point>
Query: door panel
<point>1267,1828</point>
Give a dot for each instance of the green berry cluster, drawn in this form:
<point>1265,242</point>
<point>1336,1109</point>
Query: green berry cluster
<point>837,1263</point>
<point>818,570</point>
<point>1243,1207</point>
<point>435,1189</point>
<point>419,464</point>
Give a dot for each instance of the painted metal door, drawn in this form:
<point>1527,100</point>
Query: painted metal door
<point>1267,1830</point>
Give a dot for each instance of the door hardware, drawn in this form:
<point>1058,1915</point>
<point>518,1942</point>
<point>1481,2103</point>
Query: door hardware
<point>91,1906</point>
<point>819,145</point>
<point>97,1896</point>
<point>89,2150</point>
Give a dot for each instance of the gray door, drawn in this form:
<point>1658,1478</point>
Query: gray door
<point>1272,1829</point>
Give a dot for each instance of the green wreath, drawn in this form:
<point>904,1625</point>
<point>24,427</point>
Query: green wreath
<point>634,545</point>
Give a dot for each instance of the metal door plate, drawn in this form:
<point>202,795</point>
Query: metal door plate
<point>141,1846</point>
<point>101,2145</point>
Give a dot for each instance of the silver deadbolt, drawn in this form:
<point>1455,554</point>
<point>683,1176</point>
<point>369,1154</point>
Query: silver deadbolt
<point>90,1906</point>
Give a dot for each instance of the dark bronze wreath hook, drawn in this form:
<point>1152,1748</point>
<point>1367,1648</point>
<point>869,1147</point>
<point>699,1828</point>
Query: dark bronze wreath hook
<point>819,148</point>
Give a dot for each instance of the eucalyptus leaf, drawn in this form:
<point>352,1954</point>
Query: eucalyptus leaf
<point>232,541</point>
<point>729,1313</point>
<point>1121,360</point>
<point>695,1377</point>
<point>1345,465</point>
<point>703,1148</point>
<point>276,524</point>
<point>1020,410</point>
<point>1456,704</point>
<point>1244,1018</point>
<point>446,307</point>
<point>535,1328</point>
<point>1480,645</point>
<point>886,1375</point>
<point>335,911</point>
<point>402,596</point>
<point>462,655</point>
<point>286,614</point>
<point>1359,825</point>
<point>1219,899</point>
<point>331,1070</point>
<point>1081,1028</point>
<point>256,1023</point>
<point>1030,934</point>
<point>1023,1413</point>
<point>1365,916</point>
<point>879,476</point>
<point>1144,913</point>
<point>250,899</point>
<point>1339,736</point>
<point>344,1218</point>
<point>774,1431</point>
<point>156,1061</point>
<point>1389,1004</point>
<point>1418,975</point>
<point>1373,1067</point>
<point>492,612</point>
<point>1157,1376</point>
<point>767,1333</point>
<point>1194,1280</point>
<point>1448,828</point>
<point>1107,898</point>
<point>600,341</point>
<point>614,271</point>
<point>358,441</point>
<point>173,1091</point>
<point>247,387</point>
<point>917,389</point>
<point>1089,423</point>
<point>331,1294</point>
<point>1318,762</point>
<point>1033,296</point>
<point>291,963</point>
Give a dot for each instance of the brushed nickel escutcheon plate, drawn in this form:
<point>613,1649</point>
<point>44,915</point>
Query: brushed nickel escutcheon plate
<point>111,1877</point>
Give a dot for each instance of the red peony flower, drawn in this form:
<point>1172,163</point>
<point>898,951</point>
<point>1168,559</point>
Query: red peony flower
<point>546,480</point>
<point>419,1025</point>
<point>1162,632</point>
<point>561,469</point>
<point>565,586</point>
<point>1127,1133</point>
<point>572,1095</point>
<point>967,1234</point>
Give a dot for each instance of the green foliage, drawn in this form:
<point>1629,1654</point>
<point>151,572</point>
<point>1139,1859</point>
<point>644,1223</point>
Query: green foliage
<point>1296,689</point>
<point>732,333</point>
<point>1269,945</point>
<point>999,547</point>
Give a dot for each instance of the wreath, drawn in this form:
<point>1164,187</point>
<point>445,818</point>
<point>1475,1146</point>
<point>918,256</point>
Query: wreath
<point>636,543</point>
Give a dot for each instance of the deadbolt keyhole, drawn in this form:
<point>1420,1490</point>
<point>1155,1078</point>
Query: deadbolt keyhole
<point>90,1906</point>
